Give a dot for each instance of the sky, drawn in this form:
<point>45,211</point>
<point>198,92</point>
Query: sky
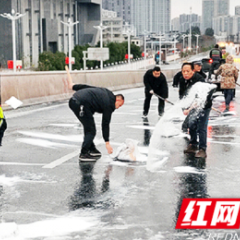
<point>183,6</point>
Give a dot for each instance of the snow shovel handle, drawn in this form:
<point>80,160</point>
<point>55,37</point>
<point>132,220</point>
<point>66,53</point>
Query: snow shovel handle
<point>216,110</point>
<point>163,98</point>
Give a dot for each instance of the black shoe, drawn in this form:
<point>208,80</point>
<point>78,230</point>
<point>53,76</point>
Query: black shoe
<point>95,152</point>
<point>86,157</point>
<point>144,115</point>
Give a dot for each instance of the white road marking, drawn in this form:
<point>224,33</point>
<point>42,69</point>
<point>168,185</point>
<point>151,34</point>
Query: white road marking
<point>20,114</point>
<point>62,160</point>
<point>44,143</point>
<point>142,127</point>
<point>65,125</point>
<point>70,138</point>
<point>229,143</point>
<point>21,164</point>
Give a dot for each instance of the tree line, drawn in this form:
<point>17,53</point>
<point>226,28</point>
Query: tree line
<point>49,61</point>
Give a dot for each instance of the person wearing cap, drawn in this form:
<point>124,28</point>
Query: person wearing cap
<point>198,68</point>
<point>155,82</point>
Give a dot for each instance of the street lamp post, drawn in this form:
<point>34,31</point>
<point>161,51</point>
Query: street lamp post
<point>128,32</point>
<point>174,36</point>
<point>184,36</point>
<point>190,32</point>
<point>111,29</point>
<point>145,48</point>
<point>160,47</point>
<point>197,35</point>
<point>70,24</point>
<point>13,17</point>
<point>101,28</point>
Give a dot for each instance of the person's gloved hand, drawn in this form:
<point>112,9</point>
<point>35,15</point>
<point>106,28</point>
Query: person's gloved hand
<point>151,91</point>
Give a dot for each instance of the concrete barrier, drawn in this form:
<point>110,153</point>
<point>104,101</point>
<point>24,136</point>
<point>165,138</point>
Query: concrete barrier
<point>38,87</point>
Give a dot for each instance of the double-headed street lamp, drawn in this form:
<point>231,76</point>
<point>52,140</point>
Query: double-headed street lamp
<point>184,36</point>
<point>13,17</point>
<point>70,24</point>
<point>101,28</point>
<point>197,36</point>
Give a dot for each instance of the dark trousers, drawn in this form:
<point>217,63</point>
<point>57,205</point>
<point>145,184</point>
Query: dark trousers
<point>215,65</point>
<point>198,123</point>
<point>88,123</point>
<point>3,127</point>
<point>161,104</point>
<point>228,94</point>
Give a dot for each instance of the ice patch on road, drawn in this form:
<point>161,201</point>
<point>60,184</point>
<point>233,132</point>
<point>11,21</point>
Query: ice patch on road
<point>10,181</point>
<point>46,228</point>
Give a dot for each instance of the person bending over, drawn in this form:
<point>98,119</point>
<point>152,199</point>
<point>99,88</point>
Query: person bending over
<point>84,103</point>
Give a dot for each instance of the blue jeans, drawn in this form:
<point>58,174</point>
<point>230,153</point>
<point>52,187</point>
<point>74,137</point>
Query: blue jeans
<point>198,123</point>
<point>228,94</point>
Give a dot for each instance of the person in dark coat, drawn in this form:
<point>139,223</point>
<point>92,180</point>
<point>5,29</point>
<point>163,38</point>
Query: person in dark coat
<point>216,55</point>
<point>197,121</point>
<point>197,67</point>
<point>155,82</point>
<point>84,103</point>
<point>176,79</point>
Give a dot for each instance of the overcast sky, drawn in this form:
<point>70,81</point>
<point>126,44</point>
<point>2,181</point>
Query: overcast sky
<point>183,6</point>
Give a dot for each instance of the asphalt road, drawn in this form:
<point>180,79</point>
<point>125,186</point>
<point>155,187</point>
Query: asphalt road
<point>46,194</point>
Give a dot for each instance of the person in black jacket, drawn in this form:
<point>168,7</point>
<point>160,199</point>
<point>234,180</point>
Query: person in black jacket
<point>176,79</point>
<point>84,103</point>
<point>155,82</point>
<point>216,55</point>
<point>197,119</point>
<point>198,69</point>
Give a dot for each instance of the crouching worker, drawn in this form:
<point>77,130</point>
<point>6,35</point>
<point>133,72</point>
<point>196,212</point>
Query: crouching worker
<point>3,125</point>
<point>84,103</point>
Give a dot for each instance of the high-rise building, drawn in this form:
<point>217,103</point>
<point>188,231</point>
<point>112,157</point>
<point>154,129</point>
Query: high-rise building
<point>237,10</point>
<point>221,7</point>
<point>175,24</point>
<point>40,29</point>
<point>145,15</point>
<point>114,32</point>
<point>222,22</point>
<point>185,20</point>
<point>122,7</point>
<point>207,14</point>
